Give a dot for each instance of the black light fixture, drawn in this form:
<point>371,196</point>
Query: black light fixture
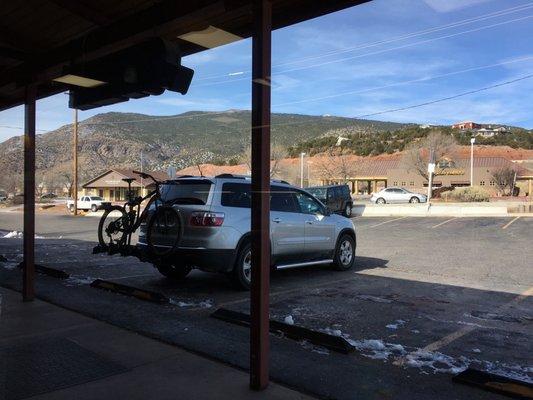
<point>146,69</point>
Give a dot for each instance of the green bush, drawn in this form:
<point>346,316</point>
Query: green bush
<point>470,194</point>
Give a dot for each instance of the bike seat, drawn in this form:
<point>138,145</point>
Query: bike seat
<point>128,180</point>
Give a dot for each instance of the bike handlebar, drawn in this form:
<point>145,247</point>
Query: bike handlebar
<point>145,175</point>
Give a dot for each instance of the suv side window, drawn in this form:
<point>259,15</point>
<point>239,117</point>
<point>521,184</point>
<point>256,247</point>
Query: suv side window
<point>307,204</point>
<point>236,195</point>
<point>283,199</point>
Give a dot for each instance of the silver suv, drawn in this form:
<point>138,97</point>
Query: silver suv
<point>216,228</point>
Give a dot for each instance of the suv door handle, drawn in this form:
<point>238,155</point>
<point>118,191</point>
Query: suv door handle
<point>309,222</point>
<point>276,220</point>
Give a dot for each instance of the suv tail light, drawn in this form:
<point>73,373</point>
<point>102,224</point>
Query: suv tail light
<point>203,218</point>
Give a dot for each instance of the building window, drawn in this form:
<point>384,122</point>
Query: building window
<point>481,183</point>
<point>492,183</point>
<point>403,183</point>
<point>394,183</point>
<point>411,183</point>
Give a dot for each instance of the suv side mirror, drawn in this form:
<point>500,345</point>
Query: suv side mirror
<point>327,211</point>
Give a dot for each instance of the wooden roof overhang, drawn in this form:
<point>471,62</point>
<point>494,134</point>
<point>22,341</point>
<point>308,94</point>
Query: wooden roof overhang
<point>38,38</point>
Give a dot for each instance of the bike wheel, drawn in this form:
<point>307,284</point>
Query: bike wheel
<point>164,230</point>
<point>113,227</point>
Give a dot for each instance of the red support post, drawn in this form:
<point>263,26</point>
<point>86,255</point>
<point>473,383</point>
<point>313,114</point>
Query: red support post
<point>260,287</point>
<point>28,277</point>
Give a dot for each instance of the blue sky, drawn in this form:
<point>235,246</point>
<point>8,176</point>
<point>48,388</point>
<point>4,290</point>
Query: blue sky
<point>381,55</point>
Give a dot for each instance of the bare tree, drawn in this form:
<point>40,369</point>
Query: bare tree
<point>333,167</point>
<point>277,153</point>
<point>416,156</point>
<point>504,178</point>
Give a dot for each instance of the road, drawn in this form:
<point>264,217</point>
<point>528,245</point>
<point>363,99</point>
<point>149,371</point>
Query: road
<point>427,298</point>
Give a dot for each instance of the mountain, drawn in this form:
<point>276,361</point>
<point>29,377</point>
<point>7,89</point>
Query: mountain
<point>117,140</point>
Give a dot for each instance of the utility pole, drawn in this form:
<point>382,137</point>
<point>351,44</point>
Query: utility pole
<point>302,155</point>
<point>472,141</point>
<point>75,183</point>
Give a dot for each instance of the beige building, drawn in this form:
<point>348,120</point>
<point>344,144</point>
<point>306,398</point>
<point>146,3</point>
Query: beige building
<point>111,187</point>
<point>373,175</point>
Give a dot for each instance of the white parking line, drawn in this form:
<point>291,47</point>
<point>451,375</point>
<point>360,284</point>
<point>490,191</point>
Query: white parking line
<point>509,223</point>
<point>442,223</point>
<point>386,222</point>
<point>446,340</point>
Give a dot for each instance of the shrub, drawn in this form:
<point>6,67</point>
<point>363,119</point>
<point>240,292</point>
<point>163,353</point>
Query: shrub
<point>470,194</point>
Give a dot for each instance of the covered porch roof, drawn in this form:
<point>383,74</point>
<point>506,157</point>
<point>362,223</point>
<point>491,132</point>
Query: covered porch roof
<point>38,38</point>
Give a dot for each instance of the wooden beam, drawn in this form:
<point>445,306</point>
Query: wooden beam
<point>28,275</point>
<point>16,40</point>
<point>80,9</point>
<point>13,54</point>
<point>260,288</point>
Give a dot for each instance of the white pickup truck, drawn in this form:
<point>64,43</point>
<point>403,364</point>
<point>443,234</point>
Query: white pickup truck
<point>87,203</point>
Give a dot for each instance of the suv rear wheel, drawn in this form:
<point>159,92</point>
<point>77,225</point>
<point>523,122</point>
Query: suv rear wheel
<point>344,253</point>
<point>242,271</point>
<point>414,199</point>
<point>173,271</point>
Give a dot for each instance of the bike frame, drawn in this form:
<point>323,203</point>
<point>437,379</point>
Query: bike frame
<point>132,207</point>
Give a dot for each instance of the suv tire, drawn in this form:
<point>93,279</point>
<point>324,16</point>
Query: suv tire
<point>347,210</point>
<point>414,199</point>
<point>381,200</point>
<point>94,208</point>
<point>242,271</point>
<point>174,272</point>
<point>344,253</point>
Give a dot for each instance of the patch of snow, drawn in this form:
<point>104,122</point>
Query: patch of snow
<point>79,280</point>
<point>434,361</point>
<point>375,299</point>
<point>9,265</point>
<point>415,331</point>
<point>202,304</point>
<point>398,323</point>
<point>18,235</point>
<point>476,351</point>
<point>289,320</point>
<point>332,332</point>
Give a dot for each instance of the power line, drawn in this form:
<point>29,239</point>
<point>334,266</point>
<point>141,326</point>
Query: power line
<point>427,78</point>
<point>377,52</point>
<point>446,98</point>
<point>391,40</point>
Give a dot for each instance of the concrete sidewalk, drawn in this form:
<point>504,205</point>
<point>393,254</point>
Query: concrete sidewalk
<point>144,368</point>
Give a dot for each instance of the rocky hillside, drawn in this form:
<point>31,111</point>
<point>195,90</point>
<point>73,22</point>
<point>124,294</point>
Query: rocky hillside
<point>117,139</point>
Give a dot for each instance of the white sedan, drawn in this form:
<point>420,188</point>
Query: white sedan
<point>397,195</point>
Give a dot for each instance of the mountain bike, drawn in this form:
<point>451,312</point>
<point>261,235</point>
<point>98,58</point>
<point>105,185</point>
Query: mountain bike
<point>163,222</point>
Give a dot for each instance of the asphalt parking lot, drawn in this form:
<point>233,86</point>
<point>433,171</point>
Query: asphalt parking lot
<point>428,297</point>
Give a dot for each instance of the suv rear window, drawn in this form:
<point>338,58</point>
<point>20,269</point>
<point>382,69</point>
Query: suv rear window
<point>190,191</point>
<point>240,195</point>
<point>319,193</point>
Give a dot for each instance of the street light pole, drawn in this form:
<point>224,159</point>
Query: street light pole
<point>302,154</point>
<point>472,141</point>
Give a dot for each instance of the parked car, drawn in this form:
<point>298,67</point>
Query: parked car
<point>397,195</point>
<point>216,232</point>
<point>336,197</point>
<point>86,203</point>
<point>3,197</point>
